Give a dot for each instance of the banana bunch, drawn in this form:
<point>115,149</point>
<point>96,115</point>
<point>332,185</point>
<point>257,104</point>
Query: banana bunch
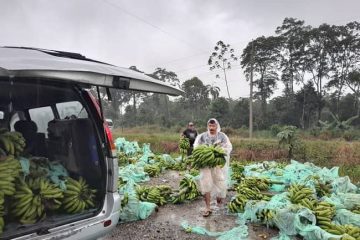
<point>298,192</point>
<point>250,193</point>
<point>265,215</point>
<point>324,212</point>
<point>349,232</point>
<point>125,200</point>
<point>194,172</point>
<point>188,191</point>
<point>179,166</point>
<point>12,142</point>
<point>308,203</point>
<point>262,184</point>
<point>208,156</point>
<point>184,145</point>
<point>323,189</point>
<point>152,194</point>
<point>152,169</point>
<point>237,171</point>
<point>237,204</point>
<point>33,197</point>
<point>2,222</point>
<point>356,209</point>
<point>122,159</point>
<point>9,170</point>
<point>78,196</point>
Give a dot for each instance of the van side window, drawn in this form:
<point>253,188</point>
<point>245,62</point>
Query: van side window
<point>41,116</point>
<point>73,108</point>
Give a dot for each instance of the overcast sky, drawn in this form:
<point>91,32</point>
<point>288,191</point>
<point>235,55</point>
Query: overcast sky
<point>178,35</point>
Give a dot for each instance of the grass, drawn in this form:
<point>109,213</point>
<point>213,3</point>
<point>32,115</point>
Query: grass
<point>325,153</point>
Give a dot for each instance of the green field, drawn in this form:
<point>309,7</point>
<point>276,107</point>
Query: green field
<point>326,153</point>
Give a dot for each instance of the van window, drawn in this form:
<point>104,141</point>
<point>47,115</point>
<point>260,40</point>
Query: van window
<point>2,115</point>
<point>69,109</point>
<point>42,116</point>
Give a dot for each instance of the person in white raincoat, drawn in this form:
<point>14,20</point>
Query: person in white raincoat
<point>213,180</point>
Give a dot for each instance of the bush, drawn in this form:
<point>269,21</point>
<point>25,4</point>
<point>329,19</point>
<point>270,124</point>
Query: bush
<point>228,131</point>
<point>275,129</point>
<point>350,135</point>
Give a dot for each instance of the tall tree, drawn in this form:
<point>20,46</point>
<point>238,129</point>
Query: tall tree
<point>353,82</point>
<point>220,110</point>
<point>265,66</point>
<point>345,55</point>
<point>293,35</point>
<point>195,97</point>
<point>221,58</point>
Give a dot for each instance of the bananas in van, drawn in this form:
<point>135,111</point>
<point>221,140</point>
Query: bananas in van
<point>9,170</point>
<point>78,196</point>
<point>13,143</point>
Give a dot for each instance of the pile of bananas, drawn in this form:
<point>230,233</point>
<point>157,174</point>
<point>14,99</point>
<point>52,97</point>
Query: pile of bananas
<point>152,170</point>
<point>2,222</point>
<point>9,170</point>
<point>250,193</point>
<point>155,194</point>
<point>188,191</point>
<point>356,209</point>
<point>194,172</point>
<point>78,196</point>
<point>324,213</point>
<point>237,171</point>
<point>12,142</point>
<point>323,189</point>
<point>298,192</point>
<point>262,184</point>
<point>123,160</point>
<point>179,166</point>
<point>237,204</point>
<point>265,216</point>
<point>208,156</point>
<point>349,232</point>
<point>33,197</point>
<point>184,145</point>
<point>308,203</point>
<point>125,200</point>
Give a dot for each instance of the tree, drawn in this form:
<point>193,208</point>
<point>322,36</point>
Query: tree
<point>353,82</point>
<point>195,97</point>
<point>345,55</point>
<point>220,110</point>
<point>239,115</point>
<point>221,59</point>
<point>293,41</point>
<point>214,91</point>
<point>265,66</point>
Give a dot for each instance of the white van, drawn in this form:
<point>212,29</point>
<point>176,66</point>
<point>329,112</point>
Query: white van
<point>44,95</point>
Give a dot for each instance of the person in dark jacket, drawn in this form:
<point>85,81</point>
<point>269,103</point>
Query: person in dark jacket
<point>190,133</point>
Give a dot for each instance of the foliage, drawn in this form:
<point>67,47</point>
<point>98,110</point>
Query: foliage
<point>287,138</point>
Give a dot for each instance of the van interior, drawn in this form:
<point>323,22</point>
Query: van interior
<point>59,125</point>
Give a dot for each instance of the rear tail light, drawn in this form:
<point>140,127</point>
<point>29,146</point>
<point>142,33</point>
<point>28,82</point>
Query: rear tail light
<point>107,223</point>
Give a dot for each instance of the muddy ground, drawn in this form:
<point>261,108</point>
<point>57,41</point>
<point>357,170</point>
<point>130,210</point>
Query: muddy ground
<point>165,223</point>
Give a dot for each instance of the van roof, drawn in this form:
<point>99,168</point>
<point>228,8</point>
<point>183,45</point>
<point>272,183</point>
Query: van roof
<point>43,63</point>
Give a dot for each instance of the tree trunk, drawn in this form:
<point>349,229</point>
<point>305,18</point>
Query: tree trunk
<point>227,87</point>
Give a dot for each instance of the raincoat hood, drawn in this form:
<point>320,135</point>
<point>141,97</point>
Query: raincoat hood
<point>218,129</point>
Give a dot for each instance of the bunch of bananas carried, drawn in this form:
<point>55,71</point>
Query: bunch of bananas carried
<point>324,213</point>
<point>188,191</point>
<point>356,209</point>
<point>152,169</point>
<point>265,215</point>
<point>33,197</point>
<point>12,142</point>
<point>184,145</point>
<point>155,194</point>
<point>237,204</point>
<point>9,170</point>
<point>208,156</point>
<point>298,192</point>
<point>78,196</point>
